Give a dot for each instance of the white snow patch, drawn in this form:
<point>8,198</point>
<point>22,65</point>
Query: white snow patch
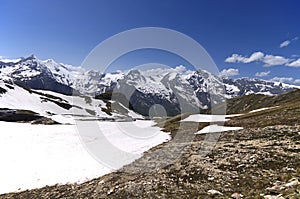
<point>33,156</point>
<point>140,135</point>
<point>63,119</point>
<point>205,118</point>
<point>172,76</point>
<point>232,88</point>
<point>262,109</point>
<point>216,128</point>
<point>233,115</point>
<point>285,85</point>
<point>266,93</point>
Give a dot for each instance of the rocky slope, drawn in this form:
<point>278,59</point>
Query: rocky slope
<point>260,161</point>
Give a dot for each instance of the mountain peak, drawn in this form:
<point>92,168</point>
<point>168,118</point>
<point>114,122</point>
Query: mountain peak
<point>31,57</point>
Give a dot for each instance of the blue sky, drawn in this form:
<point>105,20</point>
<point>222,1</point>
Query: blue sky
<point>68,30</point>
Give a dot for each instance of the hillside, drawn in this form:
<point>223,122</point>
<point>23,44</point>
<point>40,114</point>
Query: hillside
<point>256,101</point>
<point>261,111</point>
<point>18,103</point>
<point>260,161</point>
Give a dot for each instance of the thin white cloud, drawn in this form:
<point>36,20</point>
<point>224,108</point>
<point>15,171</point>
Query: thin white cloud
<point>285,43</point>
<point>267,60</point>
<point>274,60</point>
<point>295,63</point>
<point>180,69</point>
<point>236,58</point>
<point>288,80</point>
<point>262,74</point>
<point>229,72</point>
<point>295,56</point>
<point>255,57</point>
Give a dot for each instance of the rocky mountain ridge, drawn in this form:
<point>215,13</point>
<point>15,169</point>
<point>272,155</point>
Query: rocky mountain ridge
<point>178,91</point>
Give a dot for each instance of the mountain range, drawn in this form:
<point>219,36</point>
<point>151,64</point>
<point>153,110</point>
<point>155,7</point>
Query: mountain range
<point>176,90</point>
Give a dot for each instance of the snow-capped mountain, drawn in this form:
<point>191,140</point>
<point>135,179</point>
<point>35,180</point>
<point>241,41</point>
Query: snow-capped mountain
<point>172,88</point>
<point>246,86</point>
<point>158,86</point>
<point>37,74</point>
<point>59,107</point>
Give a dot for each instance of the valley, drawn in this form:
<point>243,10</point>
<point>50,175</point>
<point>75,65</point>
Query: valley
<point>47,140</point>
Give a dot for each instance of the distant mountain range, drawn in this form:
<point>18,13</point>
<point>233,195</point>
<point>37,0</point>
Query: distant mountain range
<point>143,88</point>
